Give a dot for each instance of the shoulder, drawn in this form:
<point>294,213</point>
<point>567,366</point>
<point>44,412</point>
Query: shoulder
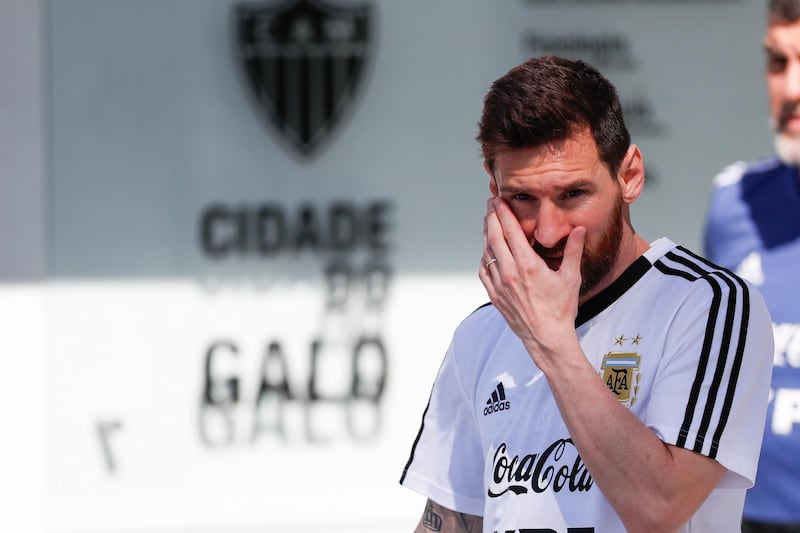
<point>484,322</point>
<point>711,300</point>
<point>733,174</point>
<point>730,175</point>
<point>752,207</point>
<point>689,275</point>
<point>476,338</point>
<point>727,203</point>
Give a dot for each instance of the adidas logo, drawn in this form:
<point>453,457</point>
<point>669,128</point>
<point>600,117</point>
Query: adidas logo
<point>497,401</point>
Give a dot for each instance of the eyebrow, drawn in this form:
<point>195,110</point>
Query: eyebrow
<point>780,52</point>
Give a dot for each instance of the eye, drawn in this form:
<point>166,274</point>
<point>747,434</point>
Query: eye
<point>574,193</point>
<point>776,63</point>
<point>521,196</point>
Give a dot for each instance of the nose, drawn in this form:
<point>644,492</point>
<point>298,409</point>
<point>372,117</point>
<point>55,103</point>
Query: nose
<point>552,226</point>
<point>792,81</point>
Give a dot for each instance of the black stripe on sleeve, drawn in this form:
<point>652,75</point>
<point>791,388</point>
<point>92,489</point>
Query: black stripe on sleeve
<point>724,349</point>
<point>695,268</point>
<point>416,441</point>
<point>736,367</point>
<point>705,352</point>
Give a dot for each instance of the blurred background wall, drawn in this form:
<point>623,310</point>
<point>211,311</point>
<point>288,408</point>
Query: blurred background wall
<point>236,236</point>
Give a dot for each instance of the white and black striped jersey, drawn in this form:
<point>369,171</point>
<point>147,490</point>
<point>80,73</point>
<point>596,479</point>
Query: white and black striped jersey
<point>685,345</point>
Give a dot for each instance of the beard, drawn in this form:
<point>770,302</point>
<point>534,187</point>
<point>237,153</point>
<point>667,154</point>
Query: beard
<point>598,258</point>
<point>788,149</point>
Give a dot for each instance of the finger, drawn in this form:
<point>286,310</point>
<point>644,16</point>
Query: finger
<point>514,236</point>
<point>487,252</point>
<point>495,244</point>
<point>488,260</point>
<point>486,278</point>
<point>573,251</point>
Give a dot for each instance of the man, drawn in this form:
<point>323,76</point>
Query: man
<point>611,385</point>
<point>753,225</point>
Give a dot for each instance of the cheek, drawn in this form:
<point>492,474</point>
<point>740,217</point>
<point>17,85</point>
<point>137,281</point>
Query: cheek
<point>775,95</point>
<point>596,226</point>
<point>596,213</point>
<point>526,217</point>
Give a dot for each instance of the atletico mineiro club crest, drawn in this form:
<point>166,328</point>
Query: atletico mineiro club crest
<point>303,61</point>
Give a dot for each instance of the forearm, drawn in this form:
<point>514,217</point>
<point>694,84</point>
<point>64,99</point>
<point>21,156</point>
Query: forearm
<point>639,474</point>
<point>444,520</point>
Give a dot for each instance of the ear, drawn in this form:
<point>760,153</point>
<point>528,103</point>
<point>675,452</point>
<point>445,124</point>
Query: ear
<point>631,174</point>
<point>492,181</point>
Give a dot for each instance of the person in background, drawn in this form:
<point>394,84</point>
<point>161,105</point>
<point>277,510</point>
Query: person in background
<point>612,384</point>
<point>753,227</point>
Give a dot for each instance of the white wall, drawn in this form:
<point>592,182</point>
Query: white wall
<point>121,123</point>
<point>22,223</point>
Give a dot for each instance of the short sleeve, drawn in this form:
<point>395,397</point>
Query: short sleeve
<point>446,462</point>
<point>712,387</point>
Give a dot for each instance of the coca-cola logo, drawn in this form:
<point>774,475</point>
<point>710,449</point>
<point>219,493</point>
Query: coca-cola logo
<point>559,467</point>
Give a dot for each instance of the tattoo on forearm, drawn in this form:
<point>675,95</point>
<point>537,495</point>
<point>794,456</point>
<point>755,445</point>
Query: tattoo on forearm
<point>467,521</point>
<point>443,520</point>
<point>431,520</point>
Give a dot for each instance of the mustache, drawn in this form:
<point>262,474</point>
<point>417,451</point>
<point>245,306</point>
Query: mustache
<point>556,250</point>
<point>787,111</point>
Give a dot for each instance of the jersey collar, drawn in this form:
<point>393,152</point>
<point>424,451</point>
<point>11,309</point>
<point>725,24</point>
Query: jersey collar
<point>595,305</point>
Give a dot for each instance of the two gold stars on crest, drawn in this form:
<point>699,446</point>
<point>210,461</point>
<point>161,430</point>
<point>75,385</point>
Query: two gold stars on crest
<point>621,339</point>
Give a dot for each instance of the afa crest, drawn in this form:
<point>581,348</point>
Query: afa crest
<point>620,371</point>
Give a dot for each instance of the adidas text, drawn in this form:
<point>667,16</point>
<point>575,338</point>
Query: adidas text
<point>496,406</point>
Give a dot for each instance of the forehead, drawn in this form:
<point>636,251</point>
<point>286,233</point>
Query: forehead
<point>783,37</point>
<point>575,158</point>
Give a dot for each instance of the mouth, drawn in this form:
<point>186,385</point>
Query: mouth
<point>551,256</point>
<point>552,262</point>
<point>792,127</point>
<point>789,120</point>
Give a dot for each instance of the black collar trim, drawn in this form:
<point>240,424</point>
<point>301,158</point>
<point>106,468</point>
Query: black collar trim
<point>610,294</point>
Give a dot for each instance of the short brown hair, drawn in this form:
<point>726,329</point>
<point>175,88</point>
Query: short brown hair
<point>547,100</point>
<point>787,11</point>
